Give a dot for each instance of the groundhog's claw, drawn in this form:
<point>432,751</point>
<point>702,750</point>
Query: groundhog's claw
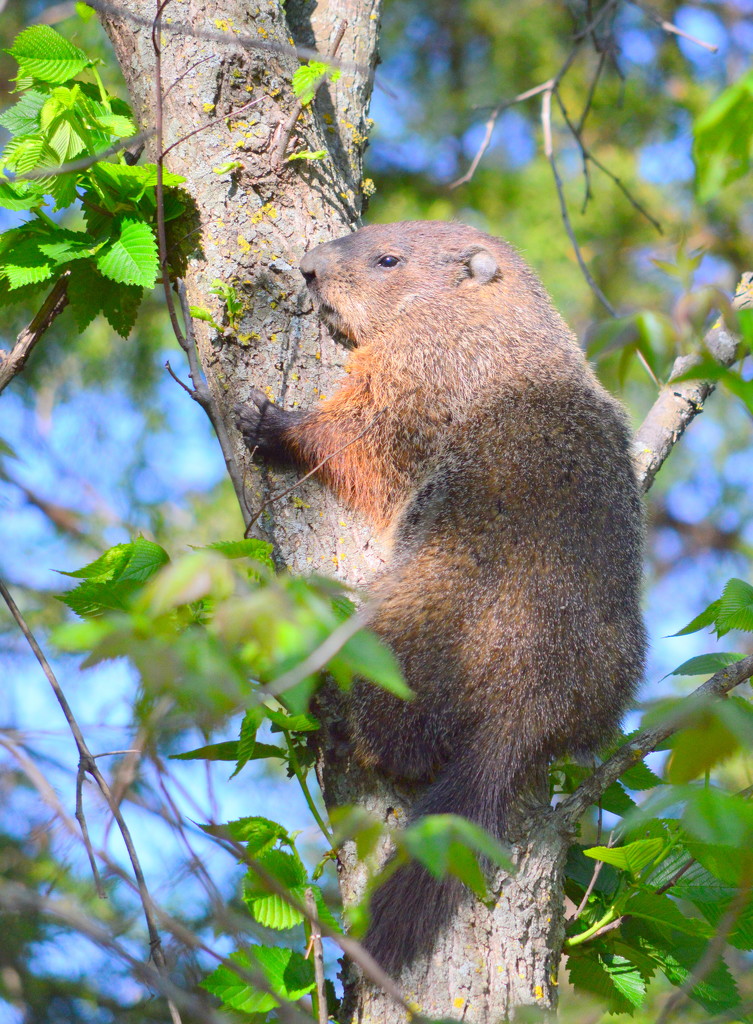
<point>263,426</point>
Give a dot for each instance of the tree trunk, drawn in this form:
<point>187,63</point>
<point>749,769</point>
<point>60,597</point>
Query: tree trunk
<point>255,223</point>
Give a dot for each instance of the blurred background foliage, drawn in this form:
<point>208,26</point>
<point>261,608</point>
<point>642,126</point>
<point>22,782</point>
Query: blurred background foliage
<point>98,444</point>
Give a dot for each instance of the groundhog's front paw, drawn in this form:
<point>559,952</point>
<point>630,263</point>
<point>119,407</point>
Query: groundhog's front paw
<point>263,426</point>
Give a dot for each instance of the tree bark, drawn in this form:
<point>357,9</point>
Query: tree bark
<point>253,225</point>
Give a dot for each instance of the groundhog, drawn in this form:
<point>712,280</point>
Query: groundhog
<point>501,469</point>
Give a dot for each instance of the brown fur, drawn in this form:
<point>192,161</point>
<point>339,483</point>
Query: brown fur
<point>503,470</point>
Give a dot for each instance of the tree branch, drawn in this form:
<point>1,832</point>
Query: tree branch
<point>589,791</point>
<point>678,404</point>
<point>11,363</point>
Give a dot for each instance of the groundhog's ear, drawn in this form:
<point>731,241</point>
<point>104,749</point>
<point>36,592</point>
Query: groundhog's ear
<point>483,266</point>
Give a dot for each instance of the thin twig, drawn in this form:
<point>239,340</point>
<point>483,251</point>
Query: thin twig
<point>318,956</point>
<point>11,363</point>
<point>89,765</point>
<point>287,131</point>
<point>546,122</point>
<point>596,872</point>
<point>83,162</point>
<point>535,91</point>
<point>208,124</point>
<point>671,28</point>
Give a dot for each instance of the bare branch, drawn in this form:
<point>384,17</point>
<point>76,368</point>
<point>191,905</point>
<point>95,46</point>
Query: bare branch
<point>89,765</point>
<point>11,363</point>
<point>671,28</point>
<point>316,950</point>
<point>635,749</point>
<point>679,403</point>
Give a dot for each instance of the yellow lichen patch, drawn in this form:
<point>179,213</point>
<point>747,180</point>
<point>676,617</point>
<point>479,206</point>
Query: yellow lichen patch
<point>262,32</point>
<point>243,339</point>
<point>538,992</point>
<point>299,502</point>
<point>327,118</point>
<point>368,187</point>
<point>458,1002</point>
<point>268,210</point>
<point>243,244</point>
<point>223,24</point>
<point>208,108</point>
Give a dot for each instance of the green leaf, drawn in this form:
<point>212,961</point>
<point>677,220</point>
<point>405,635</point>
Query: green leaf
<point>719,818</point>
<point>259,550</point>
<point>288,972</point>
<point>633,857</point>
<point>132,257</point>
<point>20,197</point>
<point>113,578</point>
<point>23,117</point>
<point>227,751</point>
<point>309,77</point>
<point>447,843</point>
<point>663,911</point>
<point>235,991</point>
<point>120,305</point>
<point>676,954</point>
<point>44,54</point>
<point>260,836</point>
<point>269,909</point>
<point>615,800</point>
<point>63,245</point>
<point>706,618</point>
<point>85,293</point>
<point>609,976</point>
<point>292,723</point>
<point>707,664</point>
<point>705,741</point>
<point>722,139</point>
<point>640,777</point>
<point>365,655</point>
<point>735,607</point>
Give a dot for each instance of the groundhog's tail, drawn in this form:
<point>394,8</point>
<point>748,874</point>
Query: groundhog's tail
<point>410,910</point>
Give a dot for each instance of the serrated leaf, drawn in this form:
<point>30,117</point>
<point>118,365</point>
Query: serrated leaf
<point>735,607</point>
<point>84,293</point>
<point>44,54</point>
<point>677,954</point>
<point>706,618</point>
<point>260,836</point>
<point>23,117</point>
<point>118,125</point>
<point>633,857</point>
<point>293,723</point>
<point>610,976</point>
<point>131,258</point>
<point>706,741</point>
<point>640,777</point>
<point>707,664</point>
<point>663,910</point>
<point>63,245</point>
<point>308,78</point>
<point>112,579</point>
<point>259,550</point>
<point>269,909</point>
<point>287,971</point>
<point>235,991</point>
<point>615,800</point>
<point>120,305</point>
<point>20,197</point>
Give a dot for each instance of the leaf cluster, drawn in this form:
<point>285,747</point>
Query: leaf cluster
<point>59,127</point>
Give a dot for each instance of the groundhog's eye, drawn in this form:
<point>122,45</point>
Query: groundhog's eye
<point>388,261</point>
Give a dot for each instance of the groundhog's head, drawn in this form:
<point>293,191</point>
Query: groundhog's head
<point>371,282</point>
